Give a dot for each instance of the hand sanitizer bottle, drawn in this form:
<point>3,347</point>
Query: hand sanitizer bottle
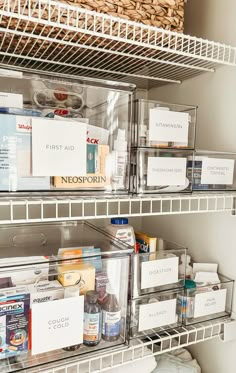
<point>119,161</point>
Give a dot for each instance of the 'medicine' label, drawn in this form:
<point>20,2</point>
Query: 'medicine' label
<point>217,171</point>
<point>157,314</point>
<point>59,147</point>
<point>169,126</point>
<point>159,272</point>
<point>166,171</point>
<point>210,303</point>
<point>54,324</point>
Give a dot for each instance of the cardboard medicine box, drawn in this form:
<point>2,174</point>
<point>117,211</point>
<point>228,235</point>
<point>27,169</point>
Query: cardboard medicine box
<point>14,322</point>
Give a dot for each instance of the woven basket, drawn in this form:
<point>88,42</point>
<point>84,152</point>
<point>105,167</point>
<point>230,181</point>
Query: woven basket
<point>167,14</point>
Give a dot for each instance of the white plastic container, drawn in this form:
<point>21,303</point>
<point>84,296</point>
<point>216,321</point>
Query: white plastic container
<point>120,228</point>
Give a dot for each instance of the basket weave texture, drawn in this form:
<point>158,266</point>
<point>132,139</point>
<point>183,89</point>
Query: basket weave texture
<point>167,14</point>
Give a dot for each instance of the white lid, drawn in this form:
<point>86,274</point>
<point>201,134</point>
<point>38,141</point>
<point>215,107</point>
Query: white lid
<point>120,143</point>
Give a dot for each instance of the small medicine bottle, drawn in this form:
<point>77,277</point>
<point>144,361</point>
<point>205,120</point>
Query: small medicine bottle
<point>185,303</point>
<point>111,317</point>
<point>120,228</point>
<point>92,319</point>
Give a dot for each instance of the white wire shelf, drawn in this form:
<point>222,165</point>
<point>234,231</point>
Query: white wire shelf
<point>139,349</point>
<point>62,208</point>
<point>53,37</point>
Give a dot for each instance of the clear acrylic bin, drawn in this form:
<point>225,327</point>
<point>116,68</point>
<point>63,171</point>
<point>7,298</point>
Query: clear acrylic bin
<point>158,271</point>
<point>160,171</point>
<point>212,171</point>
<point>164,125</point>
<point>58,315</point>
<point>206,301</point>
<point>83,127</point>
<point>154,313</point>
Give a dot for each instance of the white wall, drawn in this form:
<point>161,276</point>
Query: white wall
<point>210,237</point>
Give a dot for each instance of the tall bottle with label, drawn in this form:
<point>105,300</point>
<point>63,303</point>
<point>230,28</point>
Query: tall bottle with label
<point>92,319</point>
<point>111,317</point>
<point>119,161</point>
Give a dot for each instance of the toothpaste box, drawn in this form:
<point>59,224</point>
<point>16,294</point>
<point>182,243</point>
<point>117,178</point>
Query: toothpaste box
<point>14,321</point>
<point>16,155</point>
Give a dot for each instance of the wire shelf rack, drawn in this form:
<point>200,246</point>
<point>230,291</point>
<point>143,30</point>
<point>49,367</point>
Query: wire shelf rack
<point>61,208</point>
<point>139,349</point>
<point>53,37</point>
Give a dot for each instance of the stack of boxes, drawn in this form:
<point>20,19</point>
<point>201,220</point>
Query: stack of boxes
<point>163,138</point>
<point>164,158</point>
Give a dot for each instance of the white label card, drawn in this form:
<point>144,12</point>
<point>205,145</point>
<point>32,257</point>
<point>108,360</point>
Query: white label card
<point>58,147</point>
<point>159,272</point>
<point>169,126</point>
<point>210,303</point>
<point>164,171</point>
<point>57,324</point>
<point>12,100</point>
<point>11,73</point>
<point>157,314</point>
<point>217,171</point>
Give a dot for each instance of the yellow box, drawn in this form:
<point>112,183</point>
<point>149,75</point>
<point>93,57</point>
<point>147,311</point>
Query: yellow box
<point>79,273</point>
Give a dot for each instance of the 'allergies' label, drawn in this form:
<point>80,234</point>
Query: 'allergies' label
<point>217,171</point>
<point>166,171</point>
<point>159,272</point>
<point>210,303</point>
<point>157,314</point>
<point>168,126</point>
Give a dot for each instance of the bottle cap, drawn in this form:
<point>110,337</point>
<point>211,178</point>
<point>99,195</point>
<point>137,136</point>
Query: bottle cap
<point>92,296</point>
<point>190,284</point>
<point>119,221</point>
<point>120,144</point>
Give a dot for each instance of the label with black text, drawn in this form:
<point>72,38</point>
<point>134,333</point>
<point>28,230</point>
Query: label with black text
<point>157,314</point>
<point>59,148</point>
<point>209,303</point>
<point>159,272</point>
<point>54,324</point>
<point>217,171</point>
<point>165,171</point>
<point>168,126</point>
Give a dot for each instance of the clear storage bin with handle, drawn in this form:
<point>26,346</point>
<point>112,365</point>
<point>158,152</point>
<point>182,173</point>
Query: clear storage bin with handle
<point>47,125</point>
<point>50,292</point>
<point>163,125</point>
